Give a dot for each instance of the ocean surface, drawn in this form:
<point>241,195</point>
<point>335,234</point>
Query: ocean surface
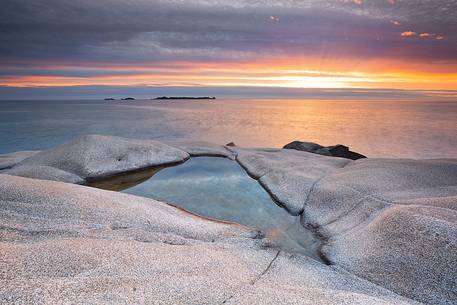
<point>407,129</point>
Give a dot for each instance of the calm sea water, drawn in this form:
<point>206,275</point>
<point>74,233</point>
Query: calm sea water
<point>375,128</point>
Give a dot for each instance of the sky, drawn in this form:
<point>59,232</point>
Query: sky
<point>88,48</point>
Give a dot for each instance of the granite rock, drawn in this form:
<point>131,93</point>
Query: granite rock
<point>392,222</point>
<point>203,149</point>
<point>411,250</point>
<point>388,223</point>
<point>288,175</point>
<point>95,156</point>
<point>45,173</point>
<point>64,243</point>
<point>293,279</point>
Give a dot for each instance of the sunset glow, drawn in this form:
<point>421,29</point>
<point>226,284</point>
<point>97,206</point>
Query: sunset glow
<point>271,74</point>
<point>316,44</point>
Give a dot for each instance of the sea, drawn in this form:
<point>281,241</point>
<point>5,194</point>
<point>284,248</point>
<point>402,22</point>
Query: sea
<point>377,129</point>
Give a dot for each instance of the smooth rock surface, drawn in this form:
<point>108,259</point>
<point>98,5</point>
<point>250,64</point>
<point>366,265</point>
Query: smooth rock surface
<point>411,250</point>
<point>390,221</point>
<point>64,243</point>
<point>9,160</point>
<point>203,149</point>
<point>393,222</point>
<point>45,173</point>
<point>94,156</point>
<point>355,188</point>
<point>288,175</point>
<point>299,280</point>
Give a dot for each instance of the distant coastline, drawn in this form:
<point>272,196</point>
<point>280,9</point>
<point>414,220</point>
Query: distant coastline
<point>168,98</point>
<point>122,99</point>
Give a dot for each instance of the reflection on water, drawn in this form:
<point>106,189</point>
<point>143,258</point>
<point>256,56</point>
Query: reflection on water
<point>412,129</point>
<point>219,188</point>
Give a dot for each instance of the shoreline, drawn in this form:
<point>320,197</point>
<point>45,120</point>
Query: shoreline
<point>348,205</point>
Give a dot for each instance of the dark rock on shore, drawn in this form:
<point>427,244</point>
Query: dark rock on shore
<point>333,151</point>
<point>303,146</point>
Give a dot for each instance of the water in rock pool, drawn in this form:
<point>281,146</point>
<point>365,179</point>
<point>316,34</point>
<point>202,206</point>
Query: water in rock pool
<point>219,188</point>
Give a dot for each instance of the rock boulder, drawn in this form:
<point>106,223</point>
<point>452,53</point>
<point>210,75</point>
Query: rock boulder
<point>94,157</point>
<point>333,151</point>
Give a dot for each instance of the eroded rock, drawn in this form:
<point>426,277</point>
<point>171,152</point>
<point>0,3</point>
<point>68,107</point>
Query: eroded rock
<point>393,222</point>
<point>389,221</point>
<point>203,149</point>
<point>45,173</point>
<point>95,156</point>
<point>288,175</point>
<point>368,185</point>
<point>411,250</point>
<point>64,243</point>
<point>11,159</point>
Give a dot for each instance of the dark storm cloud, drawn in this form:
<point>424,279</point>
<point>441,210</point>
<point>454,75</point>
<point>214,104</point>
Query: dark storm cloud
<point>114,31</point>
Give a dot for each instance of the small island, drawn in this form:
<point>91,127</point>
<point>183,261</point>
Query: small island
<point>110,99</point>
<point>184,98</point>
<point>128,99</point>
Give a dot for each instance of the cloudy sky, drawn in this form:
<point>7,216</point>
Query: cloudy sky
<point>56,45</point>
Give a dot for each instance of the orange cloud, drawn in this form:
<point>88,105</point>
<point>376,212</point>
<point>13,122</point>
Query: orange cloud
<point>430,35</point>
<point>284,72</point>
<point>274,18</point>
<point>408,34</point>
